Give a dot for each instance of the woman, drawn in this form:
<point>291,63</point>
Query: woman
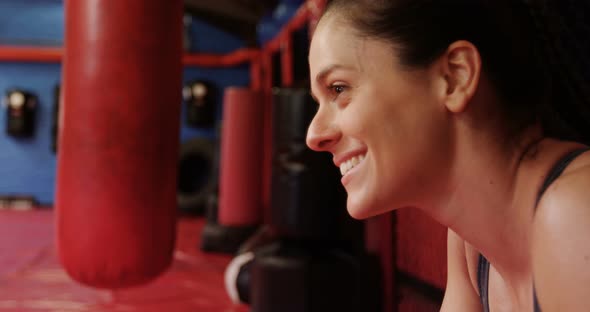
<point>477,113</point>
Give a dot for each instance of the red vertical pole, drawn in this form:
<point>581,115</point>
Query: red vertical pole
<point>266,64</point>
<point>286,50</point>
<point>256,74</point>
<point>316,9</point>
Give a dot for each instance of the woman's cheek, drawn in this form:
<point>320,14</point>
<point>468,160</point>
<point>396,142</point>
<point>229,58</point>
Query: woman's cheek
<point>353,115</point>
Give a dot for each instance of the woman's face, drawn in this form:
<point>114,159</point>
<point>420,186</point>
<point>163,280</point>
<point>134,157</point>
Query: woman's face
<point>383,123</point>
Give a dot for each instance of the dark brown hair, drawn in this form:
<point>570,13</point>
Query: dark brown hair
<point>534,52</point>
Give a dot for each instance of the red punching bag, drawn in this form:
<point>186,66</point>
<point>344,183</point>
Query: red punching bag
<point>119,133</point>
<point>240,177</point>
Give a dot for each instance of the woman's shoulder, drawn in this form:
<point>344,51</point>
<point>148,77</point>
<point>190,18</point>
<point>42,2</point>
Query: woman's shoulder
<point>561,240</point>
<point>567,196</point>
<point>569,187</point>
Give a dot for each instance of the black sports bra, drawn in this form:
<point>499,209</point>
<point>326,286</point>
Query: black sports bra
<point>483,266</point>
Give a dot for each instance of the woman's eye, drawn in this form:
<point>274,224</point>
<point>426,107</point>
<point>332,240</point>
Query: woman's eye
<point>338,88</point>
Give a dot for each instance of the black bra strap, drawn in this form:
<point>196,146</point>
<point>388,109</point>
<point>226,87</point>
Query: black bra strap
<point>483,274</point>
<point>555,172</point>
<point>536,301</point>
<point>483,266</point>
<point>558,169</point>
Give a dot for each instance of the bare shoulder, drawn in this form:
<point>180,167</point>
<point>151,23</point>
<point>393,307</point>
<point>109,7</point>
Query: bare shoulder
<point>561,241</point>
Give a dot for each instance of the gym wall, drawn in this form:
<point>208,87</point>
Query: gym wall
<point>27,166</point>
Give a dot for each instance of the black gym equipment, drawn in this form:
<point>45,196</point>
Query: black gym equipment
<point>200,99</point>
<point>317,260</point>
<point>55,118</point>
<point>21,111</point>
<point>197,175</point>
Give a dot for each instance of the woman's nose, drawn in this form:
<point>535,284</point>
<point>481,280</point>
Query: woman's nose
<point>322,133</point>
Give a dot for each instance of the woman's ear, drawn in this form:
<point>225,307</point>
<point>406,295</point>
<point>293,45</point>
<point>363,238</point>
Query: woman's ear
<point>460,69</point>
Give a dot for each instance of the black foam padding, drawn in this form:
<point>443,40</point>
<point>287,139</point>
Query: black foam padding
<point>243,282</point>
<point>224,239</point>
<point>300,55</point>
<point>307,197</point>
<point>197,175</point>
<point>293,110</point>
<point>291,278</point>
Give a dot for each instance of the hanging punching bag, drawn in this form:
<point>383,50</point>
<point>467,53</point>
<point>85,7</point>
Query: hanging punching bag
<point>117,160</point>
<point>240,179</point>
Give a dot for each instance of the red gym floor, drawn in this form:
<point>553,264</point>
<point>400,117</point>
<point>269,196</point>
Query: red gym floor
<point>32,280</point>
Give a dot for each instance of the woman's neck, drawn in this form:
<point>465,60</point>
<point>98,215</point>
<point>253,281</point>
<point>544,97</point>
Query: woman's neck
<point>490,200</point>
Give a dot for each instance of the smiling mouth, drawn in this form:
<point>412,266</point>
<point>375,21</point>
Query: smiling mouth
<point>351,163</point>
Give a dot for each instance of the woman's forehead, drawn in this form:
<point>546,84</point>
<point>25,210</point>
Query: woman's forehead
<point>334,44</point>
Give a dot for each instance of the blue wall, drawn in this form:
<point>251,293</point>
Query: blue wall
<point>31,22</point>
<point>28,166</point>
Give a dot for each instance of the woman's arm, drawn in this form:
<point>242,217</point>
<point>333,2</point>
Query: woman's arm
<point>561,244</point>
<point>459,294</point>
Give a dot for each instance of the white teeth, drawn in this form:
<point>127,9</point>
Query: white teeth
<point>356,160</point>
<point>346,166</point>
<point>351,163</point>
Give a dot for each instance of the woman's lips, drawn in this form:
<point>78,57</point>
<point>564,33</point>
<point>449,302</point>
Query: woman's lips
<point>350,167</point>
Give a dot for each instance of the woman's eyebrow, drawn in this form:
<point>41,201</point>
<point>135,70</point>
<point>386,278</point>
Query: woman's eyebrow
<point>326,71</point>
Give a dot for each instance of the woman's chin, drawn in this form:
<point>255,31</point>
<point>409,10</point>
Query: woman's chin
<point>362,209</point>
<point>358,210</point>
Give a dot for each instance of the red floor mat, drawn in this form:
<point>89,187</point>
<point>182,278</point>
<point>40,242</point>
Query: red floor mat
<point>31,278</point>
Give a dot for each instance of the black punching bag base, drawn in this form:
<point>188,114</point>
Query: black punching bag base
<point>297,279</point>
<point>224,239</point>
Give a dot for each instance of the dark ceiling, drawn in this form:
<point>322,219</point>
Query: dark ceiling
<point>238,17</point>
